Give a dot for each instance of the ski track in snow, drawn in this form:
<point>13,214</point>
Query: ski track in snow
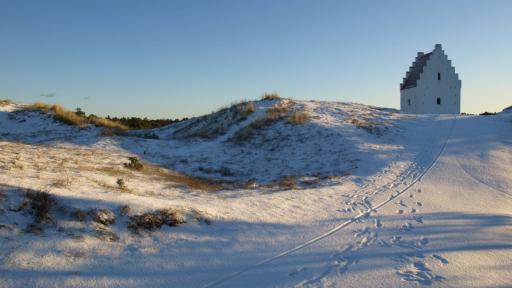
<point>477,179</point>
<point>419,272</point>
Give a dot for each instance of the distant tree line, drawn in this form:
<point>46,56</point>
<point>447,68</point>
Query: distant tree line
<point>133,122</point>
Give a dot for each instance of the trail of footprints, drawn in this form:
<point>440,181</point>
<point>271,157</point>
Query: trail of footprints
<point>412,265</point>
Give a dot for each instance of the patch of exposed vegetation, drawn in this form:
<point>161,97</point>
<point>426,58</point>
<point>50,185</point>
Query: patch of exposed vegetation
<point>103,216</point>
<point>40,204</point>
<point>76,118</point>
<point>487,113</point>
<point>156,219</point>
<point>5,102</point>
<point>137,123</point>
<point>121,184</point>
<point>134,164</point>
<point>367,125</point>
<point>201,217</point>
<point>298,117</point>
<point>191,182</point>
<point>273,114</point>
<point>271,96</point>
<point>215,124</point>
<point>287,183</point>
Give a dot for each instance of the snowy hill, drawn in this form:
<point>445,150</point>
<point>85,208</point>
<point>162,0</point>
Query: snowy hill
<point>269,193</point>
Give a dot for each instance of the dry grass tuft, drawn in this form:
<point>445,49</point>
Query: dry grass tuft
<point>298,117</point>
<point>368,126</point>
<point>68,117</point>
<point>5,102</point>
<point>272,115</point>
<point>201,217</point>
<point>270,96</point>
<point>72,118</point>
<point>104,122</point>
<point>287,182</point>
<point>245,108</point>
<point>110,132</point>
<point>192,182</point>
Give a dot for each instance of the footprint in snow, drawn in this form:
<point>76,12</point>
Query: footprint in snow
<point>440,258</point>
<point>298,270</point>
<point>412,210</point>
<point>401,203</point>
<point>420,273</point>
<point>418,219</point>
<point>419,204</point>
<point>400,211</point>
<point>406,227</point>
<point>377,223</point>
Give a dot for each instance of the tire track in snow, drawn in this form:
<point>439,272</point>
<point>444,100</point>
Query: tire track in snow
<point>360,216</point>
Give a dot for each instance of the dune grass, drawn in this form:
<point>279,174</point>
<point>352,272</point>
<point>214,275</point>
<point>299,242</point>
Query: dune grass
<point>5,102</point>
<point>72,118</point>
<point>270,96</point>
<point>298,117</point>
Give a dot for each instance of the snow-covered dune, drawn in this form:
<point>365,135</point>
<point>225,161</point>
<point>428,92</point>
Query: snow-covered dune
<point>353,196</point>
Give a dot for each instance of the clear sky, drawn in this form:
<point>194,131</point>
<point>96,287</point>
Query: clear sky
<point>185,58</point>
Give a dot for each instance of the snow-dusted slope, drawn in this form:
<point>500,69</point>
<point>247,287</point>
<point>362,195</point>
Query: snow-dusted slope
<point>424,200</point>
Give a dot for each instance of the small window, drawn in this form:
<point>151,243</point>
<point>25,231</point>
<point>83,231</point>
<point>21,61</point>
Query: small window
<point>409,102</point>
<point>438,77</point>
<point>438,101</point>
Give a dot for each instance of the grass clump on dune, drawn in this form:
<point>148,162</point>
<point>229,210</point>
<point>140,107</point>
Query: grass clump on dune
<point>272,115</point>
<point>5,102</point>
<point>271,96</point>
<point>74,118</point>
<point>298,117</point>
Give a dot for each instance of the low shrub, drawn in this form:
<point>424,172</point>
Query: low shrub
<point>487,113</point>
<point>156,219</point>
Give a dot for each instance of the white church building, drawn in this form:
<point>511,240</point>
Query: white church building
<point>431,85</point>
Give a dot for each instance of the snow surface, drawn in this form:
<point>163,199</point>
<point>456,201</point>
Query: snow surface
<point>416,200</point>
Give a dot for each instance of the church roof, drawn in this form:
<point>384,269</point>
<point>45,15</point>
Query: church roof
<point>414,71</point>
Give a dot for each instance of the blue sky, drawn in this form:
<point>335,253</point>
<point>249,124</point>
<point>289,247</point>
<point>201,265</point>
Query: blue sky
<point>185,58</point>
